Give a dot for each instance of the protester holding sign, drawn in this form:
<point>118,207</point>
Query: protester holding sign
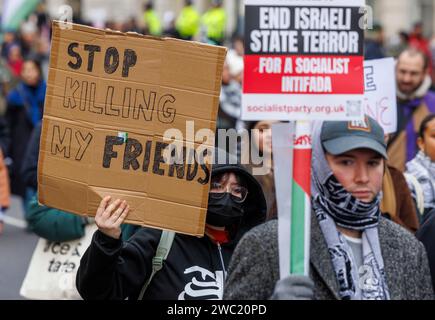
<point>415,101</point>
<point>111,136</point>
<point>195,267</point>
<point>355,253</point>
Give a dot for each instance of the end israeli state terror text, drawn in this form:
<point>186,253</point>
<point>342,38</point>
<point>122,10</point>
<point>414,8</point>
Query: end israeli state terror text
<point>331,35</point>
<point>323,30</point>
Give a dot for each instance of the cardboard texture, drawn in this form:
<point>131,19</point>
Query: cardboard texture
<point>110,98</point>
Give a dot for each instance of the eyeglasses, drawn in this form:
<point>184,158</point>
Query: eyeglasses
<point>238,193</point>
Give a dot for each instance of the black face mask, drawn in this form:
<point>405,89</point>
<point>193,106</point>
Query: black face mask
<point>224,212</point>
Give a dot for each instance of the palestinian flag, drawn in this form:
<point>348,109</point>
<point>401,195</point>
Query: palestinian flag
<point>301,204</point>
<point>16,11</point>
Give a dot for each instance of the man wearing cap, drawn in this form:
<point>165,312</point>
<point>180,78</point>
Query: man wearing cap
<point>355,253</point>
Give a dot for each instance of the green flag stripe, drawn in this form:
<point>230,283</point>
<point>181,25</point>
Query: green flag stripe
<point>297,247</point>
<point>18,16</point>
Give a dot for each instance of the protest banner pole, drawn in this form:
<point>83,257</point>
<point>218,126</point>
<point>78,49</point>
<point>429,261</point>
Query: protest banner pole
<point>300,199</point>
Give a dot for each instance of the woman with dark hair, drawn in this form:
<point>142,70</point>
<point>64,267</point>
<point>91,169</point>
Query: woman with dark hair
<point>261,137</point>
<point>25,105</point>
<point>422,168</point>
<point>420,171</point>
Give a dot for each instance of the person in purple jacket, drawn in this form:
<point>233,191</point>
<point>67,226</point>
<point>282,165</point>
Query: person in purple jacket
<point>415,100</point>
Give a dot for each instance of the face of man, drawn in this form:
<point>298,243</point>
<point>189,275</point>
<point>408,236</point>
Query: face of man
<point>359,171</point>
<point>410,72</point>
<point>427,144</point>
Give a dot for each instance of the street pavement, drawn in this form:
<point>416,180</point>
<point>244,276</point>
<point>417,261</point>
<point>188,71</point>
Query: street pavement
<point>16,248</point>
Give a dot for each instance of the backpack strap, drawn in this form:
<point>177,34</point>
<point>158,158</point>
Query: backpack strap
<point>162,252</point>
<point>418,192</point>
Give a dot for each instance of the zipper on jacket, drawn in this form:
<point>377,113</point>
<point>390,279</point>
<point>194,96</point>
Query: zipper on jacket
<point>222,260</point>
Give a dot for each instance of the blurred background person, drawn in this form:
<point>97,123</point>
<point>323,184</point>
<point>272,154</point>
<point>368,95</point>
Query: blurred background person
<point>25,105</point>
<point>213,22</point>
<point>131,25</point>
<point>235,58</point>
<point>414,102</point>
<point>188,21</point>
<point>398,43</point>
<point>152,20</point>
<point>9,40</point>
<point>261,140</point>
<point>374,43</point>
<point>169,29</point>
<point>15,60</point>
<point>29,37</point>
<point>422,167</point>
<point>230,102</point>
<point>418,41</point>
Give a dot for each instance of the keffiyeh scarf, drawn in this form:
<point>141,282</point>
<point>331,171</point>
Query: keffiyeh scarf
<point>334,206</point>
<point>423,169</point>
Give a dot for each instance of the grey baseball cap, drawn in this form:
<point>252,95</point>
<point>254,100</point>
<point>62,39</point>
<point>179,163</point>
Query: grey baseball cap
<point>338,137</point>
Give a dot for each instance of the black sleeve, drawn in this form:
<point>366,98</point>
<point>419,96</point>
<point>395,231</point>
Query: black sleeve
<point>115,270</point>
<point>29,168</point>
<point>5,139</point>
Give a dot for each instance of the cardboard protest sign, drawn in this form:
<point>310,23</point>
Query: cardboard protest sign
<point>380,92</point>
<point>303,60</point>
<point>111,98</point>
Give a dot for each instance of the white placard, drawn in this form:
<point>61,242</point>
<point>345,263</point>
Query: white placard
<point>282,146</point>
<point>380,92</point>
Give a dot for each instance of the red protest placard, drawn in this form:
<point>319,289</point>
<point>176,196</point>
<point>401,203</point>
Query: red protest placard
<point>304,52</point>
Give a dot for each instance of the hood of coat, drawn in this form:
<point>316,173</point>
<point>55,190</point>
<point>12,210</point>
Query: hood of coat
<point>255,207</point>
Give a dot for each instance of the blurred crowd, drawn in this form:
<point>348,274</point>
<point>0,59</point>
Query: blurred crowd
<point>24,70</point>
<point>408,186</point>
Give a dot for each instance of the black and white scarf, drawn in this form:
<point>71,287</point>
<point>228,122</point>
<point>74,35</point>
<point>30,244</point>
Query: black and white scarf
<point>423,169</point>
<point>334,206</point>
